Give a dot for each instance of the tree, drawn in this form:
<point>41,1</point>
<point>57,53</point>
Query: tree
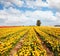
<point>38,23</point>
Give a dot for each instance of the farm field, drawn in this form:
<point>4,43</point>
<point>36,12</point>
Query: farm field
<point>29,41</point>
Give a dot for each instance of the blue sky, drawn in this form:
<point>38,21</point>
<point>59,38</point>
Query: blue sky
<point>27,12</point>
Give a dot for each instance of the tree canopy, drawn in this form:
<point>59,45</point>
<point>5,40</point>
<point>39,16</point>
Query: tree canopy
<point>38,23</point>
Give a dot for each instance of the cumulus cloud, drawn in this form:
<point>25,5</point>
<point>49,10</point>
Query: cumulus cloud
<point>54,4</point>
<point>17,2</point>
<point>58,16</point>
<point>8,3</point>
<point>32,4</point>
<point>28,3</point>
<point>39,3</point>
<point>36,4</point>
<point>13,16</point>
<point>48,15</point>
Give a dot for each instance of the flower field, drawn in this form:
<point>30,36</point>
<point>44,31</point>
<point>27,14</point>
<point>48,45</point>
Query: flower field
<point>30,41</point>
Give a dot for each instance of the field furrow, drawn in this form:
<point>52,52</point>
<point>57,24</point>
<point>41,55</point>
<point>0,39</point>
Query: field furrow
<point>30,41</point>
<point>49,53</point>
<point>18,45</point>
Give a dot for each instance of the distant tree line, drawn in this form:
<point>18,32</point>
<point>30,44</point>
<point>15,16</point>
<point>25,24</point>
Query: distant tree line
<point>57,25</point>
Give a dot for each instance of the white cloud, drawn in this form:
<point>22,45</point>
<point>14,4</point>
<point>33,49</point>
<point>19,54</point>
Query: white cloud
<point>39,3</point>
<point>54,4</point>
<point>20,3</point>
<point>36,4</point>
<point>32,4</point>
<point>13,16</point>
<point>58,16</point>
<point>8,3</point>
<point>48,15</point>
<point>17,2</point>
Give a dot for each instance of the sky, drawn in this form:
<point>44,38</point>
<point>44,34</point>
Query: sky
<point>27,12</point>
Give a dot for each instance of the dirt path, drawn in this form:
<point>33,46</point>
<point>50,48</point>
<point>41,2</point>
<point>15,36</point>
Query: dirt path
<point>18,46</point>
<point>49,53</point>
